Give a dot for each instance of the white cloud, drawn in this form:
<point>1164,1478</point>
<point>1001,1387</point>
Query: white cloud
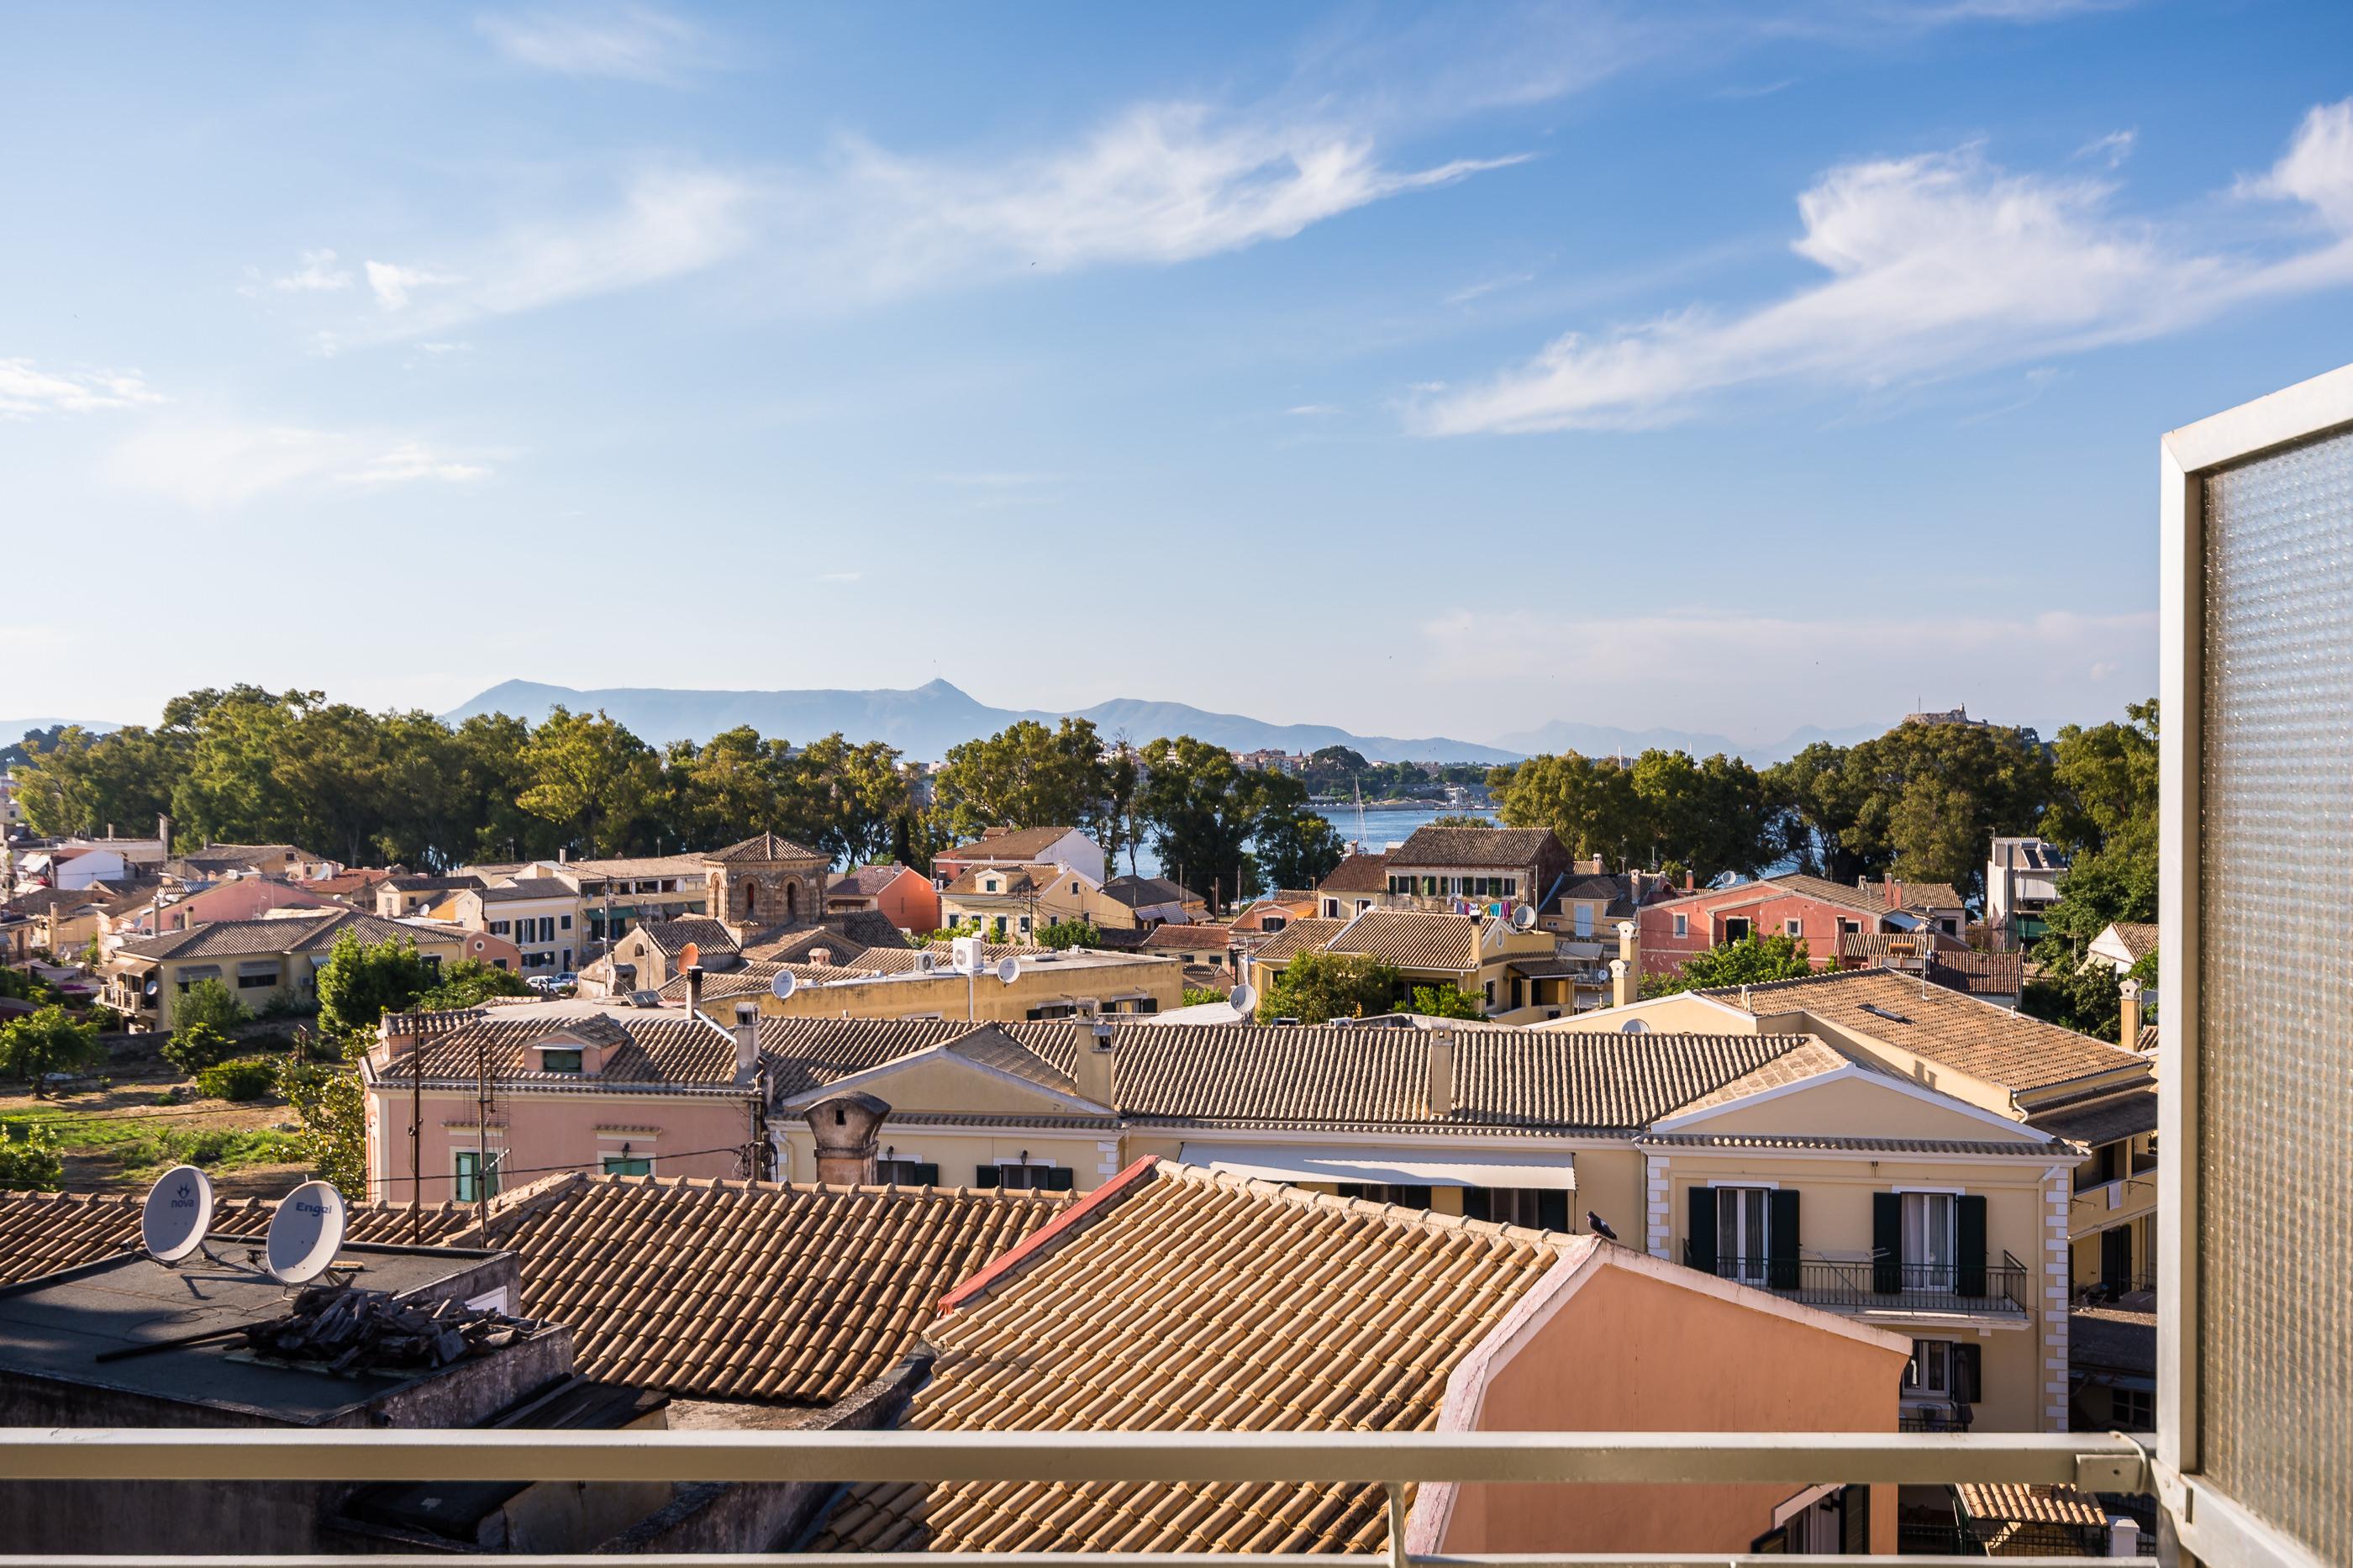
<point>319,275</point>
<point>1312,410</point>
<point>1937,263</point>
<point>222,464</point>
<point>391,283</point>
<point>633,43</point>
<point>446,347</point>
<point>2112,149</point>
<point>1489,286</point>
<point>27,390</point>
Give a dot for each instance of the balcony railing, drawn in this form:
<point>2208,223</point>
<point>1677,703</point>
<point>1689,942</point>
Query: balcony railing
<point>1882,1285</point>
<point>2110,1463</point>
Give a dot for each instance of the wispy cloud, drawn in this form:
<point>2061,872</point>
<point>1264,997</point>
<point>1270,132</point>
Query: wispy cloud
<point>2111,150</point>
<point>1939,264</point>
<point>319,275</point>
<point>1489,286</point>
<point>27,390</point>
<point>391,283</point>
<point>631,43</point>
<point>1311,410</point>
<point>221,464</point>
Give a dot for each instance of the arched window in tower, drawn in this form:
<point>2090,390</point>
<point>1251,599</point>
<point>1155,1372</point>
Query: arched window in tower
<point>792,901</point>
<point>751,899</point>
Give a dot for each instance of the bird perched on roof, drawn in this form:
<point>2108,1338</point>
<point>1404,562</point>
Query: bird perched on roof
<point>1600,1226</point>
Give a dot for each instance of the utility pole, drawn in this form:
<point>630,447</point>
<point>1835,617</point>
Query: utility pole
<point>482,1103</point>
<point>415,1133</point>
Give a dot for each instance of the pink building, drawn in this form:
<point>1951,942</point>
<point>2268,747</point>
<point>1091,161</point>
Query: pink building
<point>901,894</point>
<point>1814,909</point>
<point>236,898</point>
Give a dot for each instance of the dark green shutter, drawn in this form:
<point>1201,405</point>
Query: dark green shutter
<point>1781,1238</point>
<point>1886,1243</point>
<point>985,1176</point>
<point>1552,1209</point>
<point>1476,1205</point>
<point>1855,1522</point>
<point>928,1175</point>
<point>1970,1244</point>
<point>1059,1179</point>
<point>1700,1242</point>
<point>1968,1374</point>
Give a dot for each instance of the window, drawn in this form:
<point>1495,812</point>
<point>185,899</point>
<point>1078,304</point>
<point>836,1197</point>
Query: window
<point>1850,928</point>
<point>1074,886</point>
<point>898,1173</point>
<point>1736,928</point>
<point>1930,1246</point>
<point>1273,922</point>
<point>1585,920</point>
<point>1683,925</point>
<point>1539,1208</point>
<point>563,922</point>
<point>499,928</point>
<point>266,980</point>
<point>1942,1369</point>
<point>989,887</point>
<point>1024,925</point>
<point>476,1182</point>
<point>2132,1409</point>
<point>1793,927</point>
<point>1016,1175</point>
<point>1740,1221</point>
<point>1415,1197</point>
<point>628,1166</point>
<point>553,1059</point>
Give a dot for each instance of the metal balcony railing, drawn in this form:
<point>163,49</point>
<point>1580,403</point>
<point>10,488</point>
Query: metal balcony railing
<point>2103,1463</point>
<point>1882,1284</point>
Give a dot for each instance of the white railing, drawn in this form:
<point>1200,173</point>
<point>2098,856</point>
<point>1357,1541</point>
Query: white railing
<point>2112,1462</point>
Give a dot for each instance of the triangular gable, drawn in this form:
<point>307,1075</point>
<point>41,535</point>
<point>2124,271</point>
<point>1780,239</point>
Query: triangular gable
<point>977,1073</point>
<point>1857,1100</point>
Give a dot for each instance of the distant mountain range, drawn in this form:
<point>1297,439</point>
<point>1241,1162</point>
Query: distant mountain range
<point>926,722</point>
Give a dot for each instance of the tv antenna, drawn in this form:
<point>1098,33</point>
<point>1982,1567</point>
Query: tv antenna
<point>178,1214</point>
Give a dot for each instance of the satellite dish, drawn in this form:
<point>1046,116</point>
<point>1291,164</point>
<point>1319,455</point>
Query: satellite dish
<point>689,956</point>
<point>179,1212</point>
<point>306,1234</point>
<point>1008,970</point>
<point>783,986</point>
<point>1241,999</point>
<point>1525,918</point>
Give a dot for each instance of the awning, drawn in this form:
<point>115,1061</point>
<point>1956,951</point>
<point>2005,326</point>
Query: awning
<point>1554,1171</point>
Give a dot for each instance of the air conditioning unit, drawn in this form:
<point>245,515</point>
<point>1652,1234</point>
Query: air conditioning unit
<point>925,961</point>
<point>970,953</point>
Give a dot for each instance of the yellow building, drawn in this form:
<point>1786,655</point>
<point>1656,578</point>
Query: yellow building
<point>258,961</point>
<point>887,983</point>
<point>1518,976</point>
<point>1012,902</point>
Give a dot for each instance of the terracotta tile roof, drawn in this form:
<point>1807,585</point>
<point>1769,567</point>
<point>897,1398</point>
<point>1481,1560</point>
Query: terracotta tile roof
<point>2138,940</point>
<point>1980,973</point>
<point>223,857</point>
<point>228,939</point>
<point>1864,1144</point>
<point>744,1290</point>
<point>1508,849</point>
<point>1406,937</point>
<point>1012,844</point>
<point>1810,1060</point>
<point>1010,879</point>
<point>867,881</point>
<point>1874,945</point>
<point>1190,1300</point>
<point>2104,1118</point>
<point>421,883</point>
<point>1359,873</point>
<point>1995,1044</point>
<point>794,944</point>
<point>763,847</point>
<point>1298,937</point>
<point>41,1233</point>
<point>670,936</point>
<point>1189,938</point>
<point>1138,892</point>
<point>2018,1502</point>
<point>529,888</point>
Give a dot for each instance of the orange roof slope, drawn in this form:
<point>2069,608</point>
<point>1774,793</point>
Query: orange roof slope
<point>1195,1301</point>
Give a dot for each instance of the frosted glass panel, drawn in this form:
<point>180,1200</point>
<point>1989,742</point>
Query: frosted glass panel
<point>2275,1006</point>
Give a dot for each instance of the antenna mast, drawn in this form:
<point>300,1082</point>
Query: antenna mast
<point>417,1133</point>
<point>482,1102</point>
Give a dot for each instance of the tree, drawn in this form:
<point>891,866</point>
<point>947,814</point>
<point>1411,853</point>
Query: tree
<point>2088,998</point>
<point>468,983</point>
<point>1069,934</point>
<point>1457,819</point>
<point>844,799</point>
<point>2105,814</point>
<point>1751,960</point>
<point>29,1160</point>
<point>1204,810</point>
<point>590,778</point>
<point>1928,798</point>
<point>195,1047</point>
<point>1588,802</point>
<point>210,1003</point>
<point>1317,987</point>
<point>1027,776</point>
<point>360,981</point>
<point>47,1041</point>
<point>1296,848</point>
<point>1446,1002</point>
<point>332,1107</point>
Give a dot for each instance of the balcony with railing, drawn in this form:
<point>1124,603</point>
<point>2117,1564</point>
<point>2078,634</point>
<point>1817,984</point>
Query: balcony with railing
<point>1882,1286</point>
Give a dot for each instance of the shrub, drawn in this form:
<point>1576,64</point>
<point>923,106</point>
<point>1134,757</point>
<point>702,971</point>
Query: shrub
<point>211,1148</point>
<point>1059,934</point>
<point>29,1160</point>
<point>48,1042</point>
<point>208,1001</point>
<point>248,1077</point>
<point>195,1047</point>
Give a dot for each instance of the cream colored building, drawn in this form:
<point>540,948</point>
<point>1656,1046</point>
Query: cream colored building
<point>1518,976</point>
<point>259,960</point>
<point>1013,902</point>
<point>1046,984</point>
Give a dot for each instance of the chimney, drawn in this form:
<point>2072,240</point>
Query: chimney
<point>163,831</point>
<point>822,956</point>
<point>1687,879</point>
<point>2129,1029</point>
<point>1442,1072</point>
<point>694,989</point>
<point>1621,983</point>
<point>1097,1073</point>
<point>564,856</point>
<point>848,1129</point>
<point>1894,893</point>
<point>747,1039</point>
<point>1629,949</point>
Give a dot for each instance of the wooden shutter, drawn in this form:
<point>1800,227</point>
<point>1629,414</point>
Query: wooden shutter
<point>1886,1243</point>
<point>1781,1238</point>
<point>1968,1374</point>
<point>1969,1243</point>
<point>985,1176</point>
<point>1855,1522</point>
<point>928,1175</point>
<point>1060,1179</point>
<point>1699,1240</point>
<point>1552,1209</point>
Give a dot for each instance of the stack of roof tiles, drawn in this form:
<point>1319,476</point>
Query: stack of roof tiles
<point>1182,1300</point>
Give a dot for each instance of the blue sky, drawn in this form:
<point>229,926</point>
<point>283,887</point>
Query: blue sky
<point>1417,369</point>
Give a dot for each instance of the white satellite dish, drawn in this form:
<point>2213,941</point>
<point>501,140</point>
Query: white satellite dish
<point>1525,917</point>
<point>179,1212</point>
<point>783,986</point>
<point>1008,970</point>
<point>1241,999</point>
<point>306,1234</point>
